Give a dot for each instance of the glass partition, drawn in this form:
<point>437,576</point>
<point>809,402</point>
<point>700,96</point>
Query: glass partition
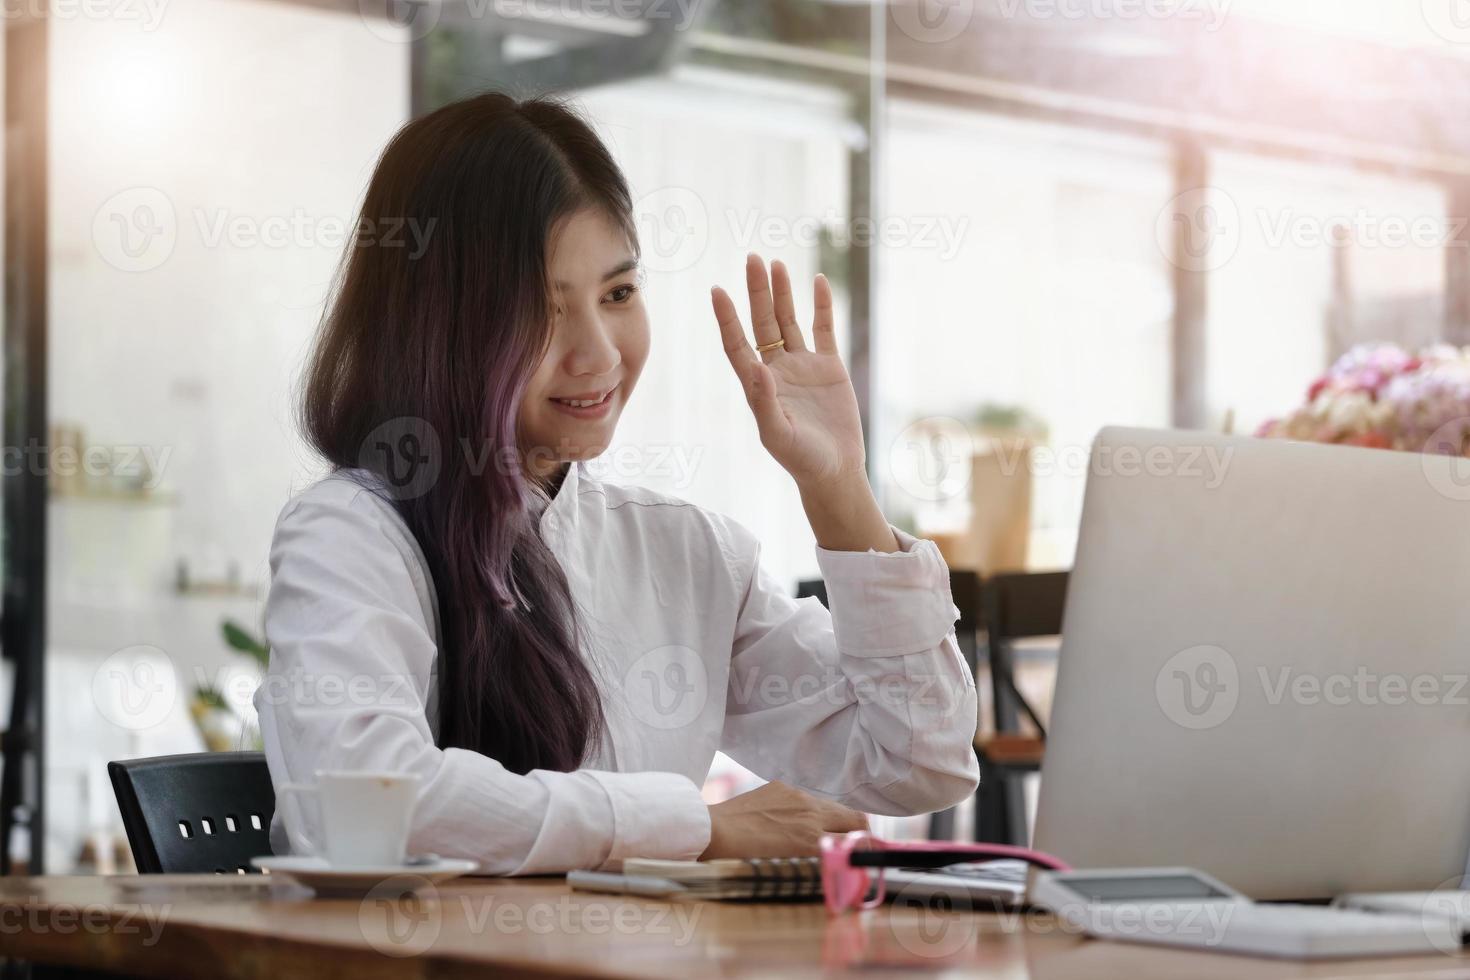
<point>207,168</point>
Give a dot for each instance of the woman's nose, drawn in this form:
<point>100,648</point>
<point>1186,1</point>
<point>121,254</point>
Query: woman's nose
<point>592,348</point>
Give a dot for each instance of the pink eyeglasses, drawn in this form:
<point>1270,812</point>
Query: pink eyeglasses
<point>846,858</point>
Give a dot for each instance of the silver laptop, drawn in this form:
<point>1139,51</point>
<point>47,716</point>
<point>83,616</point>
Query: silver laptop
<point>1265,667</point>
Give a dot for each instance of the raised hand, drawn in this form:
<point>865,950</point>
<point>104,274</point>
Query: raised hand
<point>803,402</point>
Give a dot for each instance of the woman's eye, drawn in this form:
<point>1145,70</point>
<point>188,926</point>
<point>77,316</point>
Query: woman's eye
<point>622,294</point>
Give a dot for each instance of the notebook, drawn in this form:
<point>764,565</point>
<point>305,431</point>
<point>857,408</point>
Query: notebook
<point>757,879</point>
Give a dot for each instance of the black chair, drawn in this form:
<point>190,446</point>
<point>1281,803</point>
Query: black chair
<point>210,811</point>
<point>1017,606</point>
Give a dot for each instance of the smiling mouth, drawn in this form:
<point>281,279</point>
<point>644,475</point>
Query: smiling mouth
<point>585,402</point>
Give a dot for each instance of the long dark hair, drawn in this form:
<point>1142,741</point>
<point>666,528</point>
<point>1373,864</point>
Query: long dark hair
<point>440,315</point>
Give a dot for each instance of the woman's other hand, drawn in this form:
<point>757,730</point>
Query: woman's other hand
<point>775,821</point>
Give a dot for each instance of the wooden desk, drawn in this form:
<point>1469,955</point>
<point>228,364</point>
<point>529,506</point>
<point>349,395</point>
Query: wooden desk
<point>540,928</point>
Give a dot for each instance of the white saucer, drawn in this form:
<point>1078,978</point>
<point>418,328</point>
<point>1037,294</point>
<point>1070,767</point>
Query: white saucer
<point>316,874</point>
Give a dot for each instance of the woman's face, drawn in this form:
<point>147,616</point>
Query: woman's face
<point>599,341</point>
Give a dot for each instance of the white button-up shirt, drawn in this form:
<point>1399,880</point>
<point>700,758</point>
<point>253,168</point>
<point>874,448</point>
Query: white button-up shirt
<point>695,648</point>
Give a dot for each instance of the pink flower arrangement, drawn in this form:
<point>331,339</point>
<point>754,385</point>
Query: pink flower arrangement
<point>1383,397</point>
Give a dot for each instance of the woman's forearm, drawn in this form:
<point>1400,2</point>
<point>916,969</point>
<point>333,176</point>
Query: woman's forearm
<point>845,516</point>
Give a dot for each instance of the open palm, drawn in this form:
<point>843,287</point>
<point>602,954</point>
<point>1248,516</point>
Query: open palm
<point>802,400</point>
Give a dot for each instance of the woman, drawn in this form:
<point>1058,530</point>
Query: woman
<point>558,658</point>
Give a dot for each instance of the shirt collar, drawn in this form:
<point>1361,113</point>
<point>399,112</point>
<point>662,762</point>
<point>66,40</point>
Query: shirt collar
<point>562,508</point>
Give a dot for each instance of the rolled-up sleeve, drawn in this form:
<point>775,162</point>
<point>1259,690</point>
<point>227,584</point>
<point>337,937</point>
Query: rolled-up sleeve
<point>348,687</point>
<point>872,703</point>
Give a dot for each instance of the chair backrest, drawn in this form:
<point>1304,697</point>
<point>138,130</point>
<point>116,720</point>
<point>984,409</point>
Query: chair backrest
<point>812,587</point>
<point>210,811</point>
<point>1018,605</point>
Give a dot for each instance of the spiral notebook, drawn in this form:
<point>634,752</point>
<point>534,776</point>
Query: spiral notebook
<point>757,879</point>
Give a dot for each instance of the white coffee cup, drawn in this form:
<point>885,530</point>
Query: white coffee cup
<point>365,816</point>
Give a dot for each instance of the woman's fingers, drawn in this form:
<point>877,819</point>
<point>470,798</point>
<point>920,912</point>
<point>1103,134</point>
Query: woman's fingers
<point>768,329</point>
<point>845,820</point>
<point>732,335</point>
<point>824,334</point>
<point>785,307</point>
<point>755,377</point>
<point>773,311</point>
<point>762,309</point>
